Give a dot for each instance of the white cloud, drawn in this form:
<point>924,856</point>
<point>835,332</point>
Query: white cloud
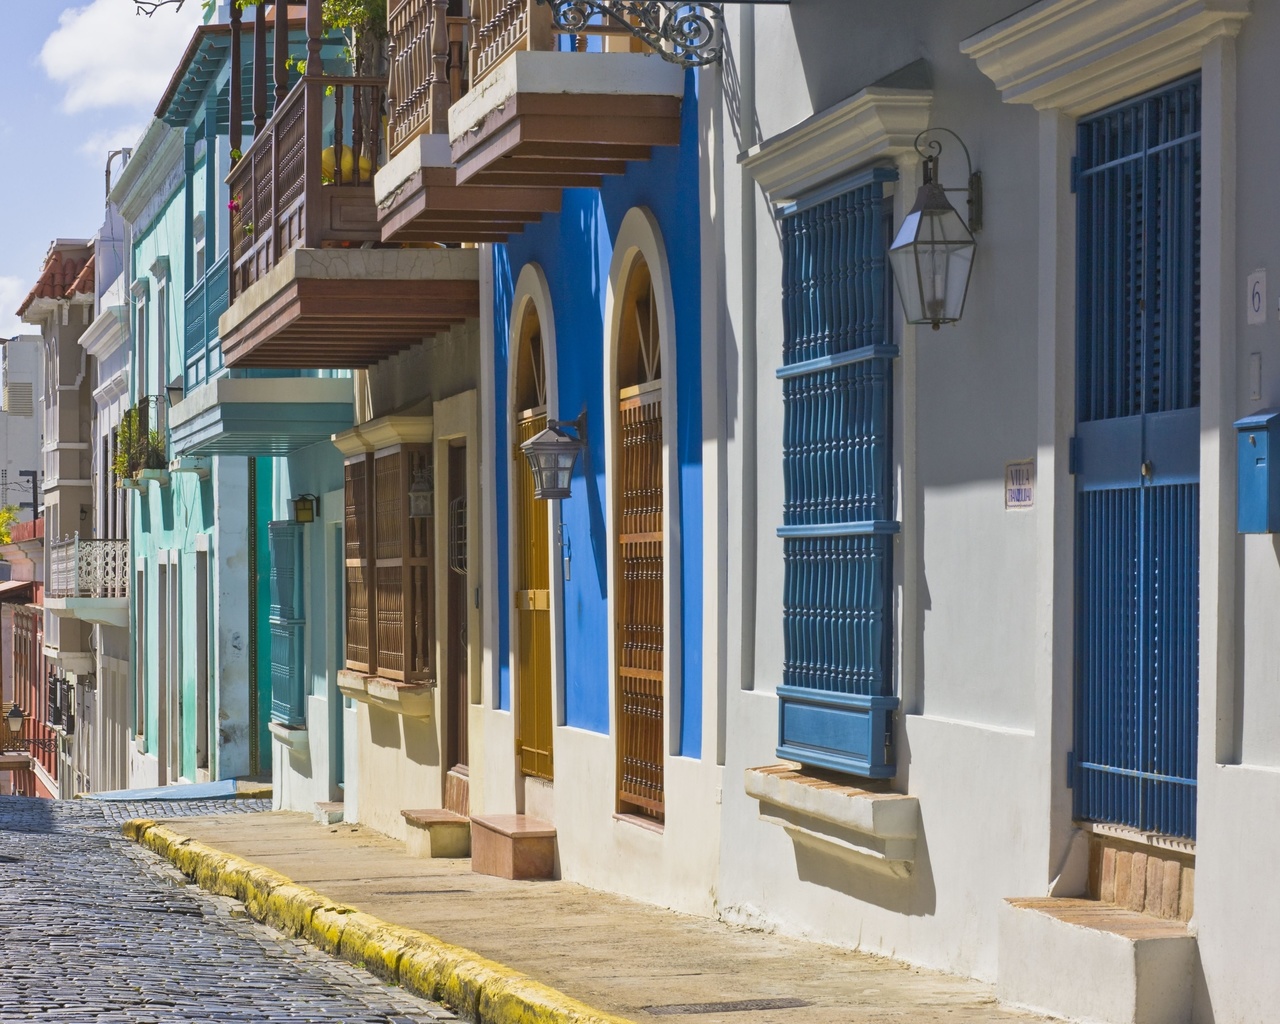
<point>12,291</point>
<point>99,144</point>
<point>105,55</point>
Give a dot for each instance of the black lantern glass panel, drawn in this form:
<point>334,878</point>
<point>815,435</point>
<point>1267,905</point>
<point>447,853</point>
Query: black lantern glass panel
<point>552,454</point>
<point>932,260</point>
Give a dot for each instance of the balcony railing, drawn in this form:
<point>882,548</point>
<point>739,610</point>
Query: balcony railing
<point>506,25</point>
<point>307,179</point>
<point>206,302</point>
<point>89,568</point>
<point>429,67</point>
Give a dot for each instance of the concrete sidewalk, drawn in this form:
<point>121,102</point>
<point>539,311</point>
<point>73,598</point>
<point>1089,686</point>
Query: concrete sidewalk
<point>619,956</point>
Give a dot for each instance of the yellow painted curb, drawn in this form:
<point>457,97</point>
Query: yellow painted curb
<point>253,791</point>
<point>479,989</point>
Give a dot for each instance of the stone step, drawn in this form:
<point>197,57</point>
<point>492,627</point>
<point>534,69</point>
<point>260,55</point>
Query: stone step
<point>1088,960</point>
<point>329,812</point>
<point>437,833</point>
<point>513,846</point>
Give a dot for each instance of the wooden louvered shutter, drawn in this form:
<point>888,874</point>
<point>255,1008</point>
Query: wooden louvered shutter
<point>358,530</point>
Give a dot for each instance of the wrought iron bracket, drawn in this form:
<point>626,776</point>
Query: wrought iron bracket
<point>690,34</point>
<point>149,7</point>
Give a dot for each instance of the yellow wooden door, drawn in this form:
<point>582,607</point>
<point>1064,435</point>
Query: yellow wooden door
<point>532,614</point>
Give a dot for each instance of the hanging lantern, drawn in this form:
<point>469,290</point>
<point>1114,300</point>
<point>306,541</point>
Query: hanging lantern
<point>422,494</point>
<point>552,454</point>
<point>932,255</point>
<point>304,508</point>
<point>14,719</point>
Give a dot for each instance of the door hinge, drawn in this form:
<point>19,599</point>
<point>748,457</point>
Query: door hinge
<point>1071,769</point>
<point>1073,455</point>
<point>1075,174</point>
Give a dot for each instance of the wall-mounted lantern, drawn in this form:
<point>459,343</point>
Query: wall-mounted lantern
<point>304,509</point>
<point>932,256</point>
<point>14,719</point>
<point>552,454</point>
<point>422,494</point>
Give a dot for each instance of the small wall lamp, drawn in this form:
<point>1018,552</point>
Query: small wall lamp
<point>422,494</point>
<point>932,256</point>
<point>552,454</point>
<point>304,508</point>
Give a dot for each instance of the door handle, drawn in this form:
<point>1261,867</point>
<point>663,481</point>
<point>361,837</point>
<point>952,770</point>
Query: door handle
<point>1147,469</point>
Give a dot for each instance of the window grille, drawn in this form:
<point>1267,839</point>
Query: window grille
<point>836,698</point>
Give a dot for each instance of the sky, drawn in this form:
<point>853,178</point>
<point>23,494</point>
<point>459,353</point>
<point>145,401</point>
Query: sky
<point>81,78</point>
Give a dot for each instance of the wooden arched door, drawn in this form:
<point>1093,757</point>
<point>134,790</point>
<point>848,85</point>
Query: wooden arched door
<point>638,514</point>
<point>532,572</point>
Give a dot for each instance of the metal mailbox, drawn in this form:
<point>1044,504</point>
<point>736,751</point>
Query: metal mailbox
<point>1258,490</point>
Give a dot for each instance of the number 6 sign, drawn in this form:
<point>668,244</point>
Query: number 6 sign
<point>1256,300</point>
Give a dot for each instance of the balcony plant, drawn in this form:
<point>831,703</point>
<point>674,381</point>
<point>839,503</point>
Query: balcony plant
<point>135,452</point>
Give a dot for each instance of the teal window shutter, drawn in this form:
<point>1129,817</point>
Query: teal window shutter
<point>288,703</point>
<point>836,700</point>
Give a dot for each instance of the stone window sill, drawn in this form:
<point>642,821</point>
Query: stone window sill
<point>413,700</point>
<point>292,736</point>
<point>873,828</point>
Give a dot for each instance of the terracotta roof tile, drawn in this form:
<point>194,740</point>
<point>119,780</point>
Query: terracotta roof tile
<point>61,278</point>
<point>83,284</point>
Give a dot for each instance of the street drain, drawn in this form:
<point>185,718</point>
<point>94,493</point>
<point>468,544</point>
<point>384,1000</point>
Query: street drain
<point>424,892</point>
<point>7,859</point>
<point>736,1006</point>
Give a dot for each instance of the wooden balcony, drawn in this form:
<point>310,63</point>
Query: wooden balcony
<point>539,115</point>
<point>492,116</point>
<point>418,194</point>
<point>311,285</point>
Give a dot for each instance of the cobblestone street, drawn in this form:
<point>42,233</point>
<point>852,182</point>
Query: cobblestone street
<point>95,929</point>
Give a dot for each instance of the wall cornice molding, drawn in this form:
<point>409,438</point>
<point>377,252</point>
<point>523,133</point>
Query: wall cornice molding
<point>876,123</point>
<point>1079,56</point>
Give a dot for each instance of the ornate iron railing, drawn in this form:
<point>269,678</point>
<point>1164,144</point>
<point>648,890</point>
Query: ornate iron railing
<point>429,68</point>
<point>89,568</point>
<point>206,302</point>
<point>690,34</point>
<point>297,183</point>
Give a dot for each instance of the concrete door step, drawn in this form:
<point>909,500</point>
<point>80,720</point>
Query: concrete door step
<point>1093,961</point>
<point>513,846</point>
<point>434,832</point>
<point>329,812</point>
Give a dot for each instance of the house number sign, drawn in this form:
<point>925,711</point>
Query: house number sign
<point>1020,484</point>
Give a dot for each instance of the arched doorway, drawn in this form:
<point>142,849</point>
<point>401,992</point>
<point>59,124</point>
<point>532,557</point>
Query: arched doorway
<point>532,575</point>
<point>639,593</point>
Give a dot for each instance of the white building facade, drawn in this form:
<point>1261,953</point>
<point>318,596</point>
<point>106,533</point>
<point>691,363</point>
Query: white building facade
<point>1006,639</point>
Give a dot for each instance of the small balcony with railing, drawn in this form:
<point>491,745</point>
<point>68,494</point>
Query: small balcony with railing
<point>246,412</point>
<point>89,580</point>
<point>311,283</point>
<point>565,94</point>
<point>496,106</point>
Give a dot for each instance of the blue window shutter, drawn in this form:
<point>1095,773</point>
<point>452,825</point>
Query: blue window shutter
<point>288,703</point>
<point>836,699</point>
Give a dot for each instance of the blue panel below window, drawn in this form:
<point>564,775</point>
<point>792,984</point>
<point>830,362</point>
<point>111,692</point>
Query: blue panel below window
<point>840,731</point>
